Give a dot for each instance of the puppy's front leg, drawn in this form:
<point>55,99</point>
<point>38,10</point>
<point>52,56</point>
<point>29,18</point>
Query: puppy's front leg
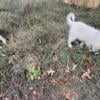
<point>70,40</point>
<point>82,45</point>
<point>95,50</point>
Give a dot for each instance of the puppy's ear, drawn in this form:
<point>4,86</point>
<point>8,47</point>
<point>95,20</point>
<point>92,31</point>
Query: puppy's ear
<point>73,43</point>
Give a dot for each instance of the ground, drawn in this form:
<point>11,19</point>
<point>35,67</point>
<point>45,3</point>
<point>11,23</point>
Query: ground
<point>36,33</point>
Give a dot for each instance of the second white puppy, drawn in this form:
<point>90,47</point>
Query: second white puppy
<point>83,32</point>
<point>3,40</point>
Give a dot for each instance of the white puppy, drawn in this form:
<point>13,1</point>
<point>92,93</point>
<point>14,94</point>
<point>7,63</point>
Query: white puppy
<point>83,32</point>
<point>3,40</point>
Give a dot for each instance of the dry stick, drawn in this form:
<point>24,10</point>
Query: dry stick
<point>68,65</point>
<point>2,75</point>
<point>55,47</point>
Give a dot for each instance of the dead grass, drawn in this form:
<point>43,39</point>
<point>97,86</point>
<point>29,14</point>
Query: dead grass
<point>38,34</point>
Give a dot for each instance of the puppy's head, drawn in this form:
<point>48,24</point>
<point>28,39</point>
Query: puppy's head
<point>76,42</point>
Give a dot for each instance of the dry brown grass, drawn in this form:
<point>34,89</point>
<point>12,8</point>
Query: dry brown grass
<point>38,34</point>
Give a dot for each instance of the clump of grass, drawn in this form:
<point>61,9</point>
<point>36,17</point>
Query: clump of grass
<point>33,73</point>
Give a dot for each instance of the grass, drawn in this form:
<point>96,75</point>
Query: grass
<point>38,36</point>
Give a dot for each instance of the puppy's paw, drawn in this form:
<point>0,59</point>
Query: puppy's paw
<point>70,45</point>
<point>96,53</point>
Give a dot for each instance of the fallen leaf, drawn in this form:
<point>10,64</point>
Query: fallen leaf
<point>71,67</point>
<point>6,99</point>
<point>67,69</point>
<point>53,81</point>
<point>12,59</point>
<point>34,92</point>
<point>1,94</point>
<point>90,63</point>
<point>50,72</point>
<point>34,95</point>
<point>86,74</point>
<point>68,95</point>
<point>74,66</point>
<point>30,88</point>
<point>55,58</point>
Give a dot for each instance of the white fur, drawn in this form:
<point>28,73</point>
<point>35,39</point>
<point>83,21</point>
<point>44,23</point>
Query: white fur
<point>79,30</point>
<point>3,39</point>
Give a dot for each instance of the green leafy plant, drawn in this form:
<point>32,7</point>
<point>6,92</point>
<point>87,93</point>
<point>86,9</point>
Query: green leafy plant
<point>33,72</point>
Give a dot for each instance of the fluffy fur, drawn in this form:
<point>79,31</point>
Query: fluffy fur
<point>3,40</point>
<point>83,32</point>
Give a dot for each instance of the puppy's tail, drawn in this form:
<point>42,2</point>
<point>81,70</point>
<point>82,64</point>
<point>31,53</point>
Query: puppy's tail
<point>70,18</point>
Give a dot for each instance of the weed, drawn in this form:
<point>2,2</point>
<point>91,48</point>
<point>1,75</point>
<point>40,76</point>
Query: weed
<point>33,72</point>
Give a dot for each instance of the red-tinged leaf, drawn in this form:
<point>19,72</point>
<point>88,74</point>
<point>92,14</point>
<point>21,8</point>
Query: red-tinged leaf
<point>68,95</point>
<point>1,94</point>
<point>90,63</point>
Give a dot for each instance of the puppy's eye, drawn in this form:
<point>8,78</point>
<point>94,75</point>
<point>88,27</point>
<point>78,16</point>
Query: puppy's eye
<point>76,42</point>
